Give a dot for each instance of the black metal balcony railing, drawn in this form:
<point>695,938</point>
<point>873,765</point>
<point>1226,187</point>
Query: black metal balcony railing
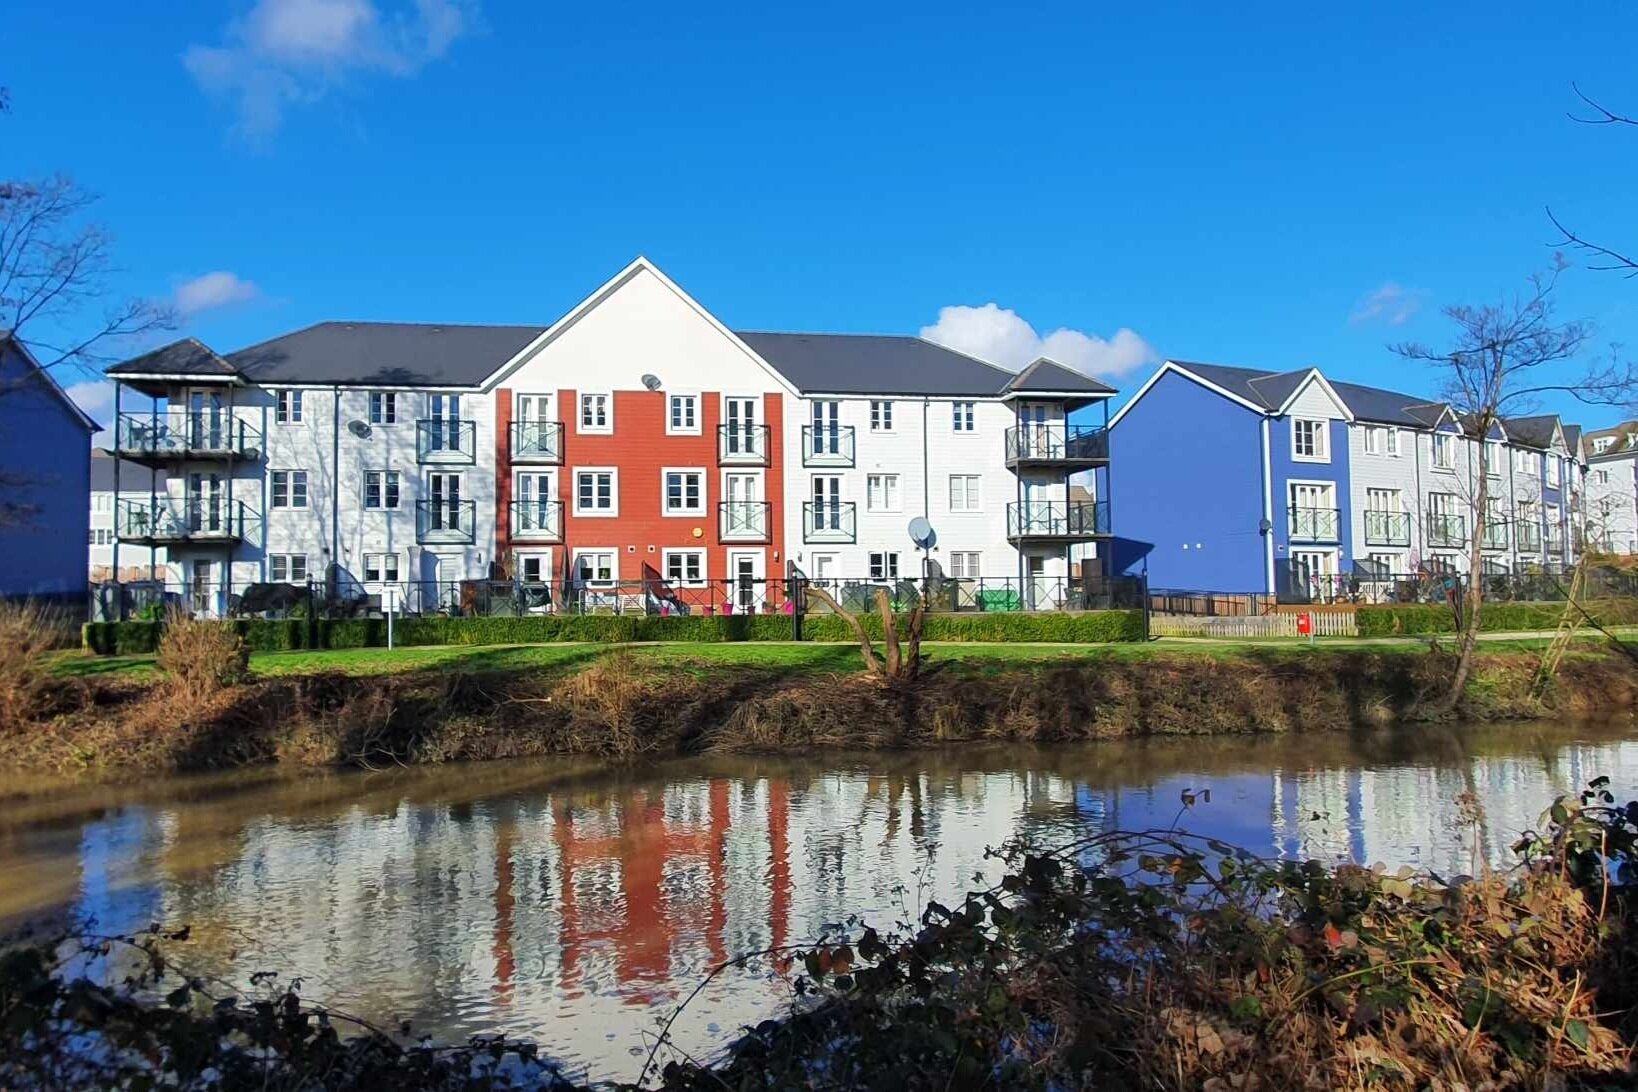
<point>190,520</point>
<point>173,435</point>
<point>445,521</point>
<point>1084,445</point>
<point>1446,529</point>
<point>1528,537</point>
<point>446,440</point>
<point>1387,528</point>
<point>827,445</point>
<point>1056,519</point>
<point>742,445</point>
<point>537,442</point>
<point>1494,536</point>
<point>830,521</point>
<point>537,520</point>
<point>1314,524</point>
<point>744,521</point>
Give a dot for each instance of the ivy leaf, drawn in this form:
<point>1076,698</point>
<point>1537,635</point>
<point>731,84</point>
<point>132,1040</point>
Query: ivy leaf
<point>1577,1032</point>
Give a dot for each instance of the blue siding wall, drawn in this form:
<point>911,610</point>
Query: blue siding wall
<point>1287,469</point>
<point>1187,471</point>
<point>43,442</point>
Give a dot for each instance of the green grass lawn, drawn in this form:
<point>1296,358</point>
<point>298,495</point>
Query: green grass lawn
<point>788,657</point>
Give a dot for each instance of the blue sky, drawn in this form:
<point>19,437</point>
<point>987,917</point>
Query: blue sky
<point>1234,186</point>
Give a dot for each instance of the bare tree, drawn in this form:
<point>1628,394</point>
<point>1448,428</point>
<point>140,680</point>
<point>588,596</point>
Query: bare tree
<point>1607,258</point>
<point>1503,357</point>
<point>901,661</point>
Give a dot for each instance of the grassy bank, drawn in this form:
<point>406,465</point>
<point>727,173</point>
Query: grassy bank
<point>372,708</point>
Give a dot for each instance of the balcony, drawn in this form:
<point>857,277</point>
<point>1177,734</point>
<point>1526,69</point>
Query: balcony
<point>830,522</point>
<point>169,437</point>
<point>536,442</point>
<point>1057,521</point>
<point>1314,524</point>
<point>445,522</point>
<point>1555,540</point>
<point>194,521</point>
<point>1387,528</point>
<point>1445,530</point>
<point>1528,537</point>
<point>744,521</point>
<point>1494,535</point>
<point>536,521</point>
<point>446,440</point>
<point>742,445</point>
<point>1070,447</point>
<point>827,445</point>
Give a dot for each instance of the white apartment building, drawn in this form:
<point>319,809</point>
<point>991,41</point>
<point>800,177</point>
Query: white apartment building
<point>140,484</point>
<point>1612,488</point>
<point>636,440</point>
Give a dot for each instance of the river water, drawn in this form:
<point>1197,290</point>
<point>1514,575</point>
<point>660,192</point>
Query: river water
<point>577,905</point>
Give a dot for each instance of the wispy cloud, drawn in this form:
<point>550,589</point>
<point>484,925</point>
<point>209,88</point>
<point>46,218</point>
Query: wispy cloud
<point>212,290</point>
<point>1391,303</point>
<point>1001,336</point>
<point>286,53</point>
<point>96,398</point>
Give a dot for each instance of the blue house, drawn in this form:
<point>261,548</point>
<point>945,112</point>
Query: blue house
<point>45,483</point>
<point>1238,480</point>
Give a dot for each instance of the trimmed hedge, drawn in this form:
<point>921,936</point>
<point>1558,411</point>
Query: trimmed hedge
<point>1395,621</point>
<point>129,638</point>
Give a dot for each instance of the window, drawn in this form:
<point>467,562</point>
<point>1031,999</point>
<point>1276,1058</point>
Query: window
<point>1308,440</point>
<point>1521,461</point>
<point>1603,444</point>
<point>594,566</point>
<point>684,492</point>
<point>1444,451</point>
<point>381,489</point>
<point>1602,477</point>
<point>288,408</point>
<point>962,416</point>
<point>964,492</point>
<point>383,408</point>
<point>379,567</point>
<point>1384,564</point>
<point>1382,500</point>
<point>685,566</point>
<point>1552,470</point>
<point>596,414</point>
<point>290,489</point>
<point>881,417</point>
<point>884,566</point>
<point>1393,441</point>
<point>1493,458</point>
<point>287,568</point>
<point>882,493</point>
<point>684,415</point>
<point>595,493</point>
<point>964,564</point>
<point>533,568</point>
<point>1373,440</point>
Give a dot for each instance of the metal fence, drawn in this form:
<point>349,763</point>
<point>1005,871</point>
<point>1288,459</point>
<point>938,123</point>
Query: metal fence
<point>1363,589</point>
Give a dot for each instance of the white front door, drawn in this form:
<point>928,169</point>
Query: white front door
<point>203,589</point>
<point>1040,594</point>
<point>1313,572</point>
<point>823,569</point>
<point>745,570</point>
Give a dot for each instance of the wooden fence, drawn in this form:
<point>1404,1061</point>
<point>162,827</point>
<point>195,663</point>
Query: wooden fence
<point>1328,623</point>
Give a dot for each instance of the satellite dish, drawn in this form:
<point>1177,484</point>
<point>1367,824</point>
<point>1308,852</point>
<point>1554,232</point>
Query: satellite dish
<point>652,382</point>
<point>361,429</point>
<point>921,533</point>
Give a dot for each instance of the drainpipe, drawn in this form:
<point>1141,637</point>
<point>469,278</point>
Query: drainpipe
<point>335,484</point>
<point>119,591</point>
<point>926,487</point>
<point>1268,508</point>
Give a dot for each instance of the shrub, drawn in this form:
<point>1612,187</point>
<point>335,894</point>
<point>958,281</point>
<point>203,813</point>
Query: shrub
<point>1408,620</point>
<point>28,633</point>
<point>202,657</point>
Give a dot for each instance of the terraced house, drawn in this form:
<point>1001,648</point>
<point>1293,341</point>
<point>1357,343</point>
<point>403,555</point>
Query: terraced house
<point>1240,480</point>
<point>1612,488</point>
<point>627,456</point>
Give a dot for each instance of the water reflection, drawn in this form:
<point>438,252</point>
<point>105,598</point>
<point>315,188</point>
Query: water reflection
<point>578,906</point>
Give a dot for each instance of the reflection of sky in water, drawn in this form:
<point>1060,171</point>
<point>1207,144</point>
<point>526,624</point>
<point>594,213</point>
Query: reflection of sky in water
<point>578,910</point>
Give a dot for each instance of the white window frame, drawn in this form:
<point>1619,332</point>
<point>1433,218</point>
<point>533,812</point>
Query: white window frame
<point>382,576</point>
<point>696,404</point>
<point>288,563</point>
<point>1445,441</point>
<point>1393,441</point>
<point>665,492</point>
<point>1553,475</point>
<point>976,495</point>
<point>898,492</point>
<point>289,490</point>
<point>610,512</point>
<point>977,557</point>
<point>604,429</point>
<point>964,417</point>
<point>1322,440</point>
<point>1373,440</point>
<point>885,556</point>
<point>700,581</point>
<point>614,564</point>
<point>384,506</point>
<point>287,406</point>
<point>383,408</point>
<point>881,415</point>
<point>544,557</point>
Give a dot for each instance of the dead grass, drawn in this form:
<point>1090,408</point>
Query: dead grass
<point>201,658</point>
<point>28,634</point>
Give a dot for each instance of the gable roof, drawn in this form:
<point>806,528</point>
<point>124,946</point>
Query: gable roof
<point>188,356</point>
<point>1536,431</point>
<point>1572,441</point>
<point>1049,375</point>
<point>875,364</point>
<point>48,381</point>
<point>1270,391</point>
<point>1625,436</point>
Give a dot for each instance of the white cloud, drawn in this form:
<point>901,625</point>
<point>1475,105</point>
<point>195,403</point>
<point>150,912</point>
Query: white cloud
<point>286,53</point>
<point>213,290</point>
<point>1391,303</point>
<point>96,398</point>
<point>1002,337</point>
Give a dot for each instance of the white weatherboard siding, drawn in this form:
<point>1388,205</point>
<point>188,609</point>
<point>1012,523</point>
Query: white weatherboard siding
<point>1612,502</point>
<point>1369,472</point>
<point>1316,402</point>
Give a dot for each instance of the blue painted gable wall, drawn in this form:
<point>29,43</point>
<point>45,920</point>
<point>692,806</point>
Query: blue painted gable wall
<point>46,444</point>
<point>1186,469</point>
<point>1287,470</point>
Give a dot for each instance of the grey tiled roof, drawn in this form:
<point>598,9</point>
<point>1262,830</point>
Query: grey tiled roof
<point>1049,375</point>
<point>1536,431</point>
<point>1626,440</point>
<point>189,356</point>
<point>1269,390</point>
<point>405,354</point>
<point>875,364</point>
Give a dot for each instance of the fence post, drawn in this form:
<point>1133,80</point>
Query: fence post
<point>312,618</point>
<point>1148,606</point>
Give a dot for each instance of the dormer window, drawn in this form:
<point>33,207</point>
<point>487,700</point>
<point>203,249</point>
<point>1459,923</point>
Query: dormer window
<point>1602,444</point>
<point>1308,440</point>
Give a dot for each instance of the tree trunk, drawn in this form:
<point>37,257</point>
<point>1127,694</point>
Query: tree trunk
<point>890,634</point>
<point>918,616</point>
<point>866,649</point>
<point>1473,601</point>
